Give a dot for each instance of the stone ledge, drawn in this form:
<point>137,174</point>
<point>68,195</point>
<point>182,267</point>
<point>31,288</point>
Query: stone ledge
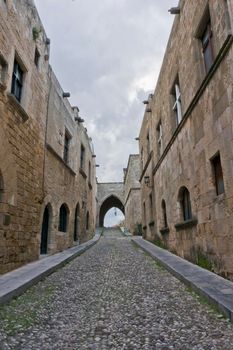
<point>215,289</point>
<point>186,224</point>
<point>14,283</point>
<point>164,230</point>
<point>16,104</point>
<point>82,172</point>
<point>50,148</point>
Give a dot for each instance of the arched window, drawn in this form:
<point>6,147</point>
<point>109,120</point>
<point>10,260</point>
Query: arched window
<point>87,221</point>
<point>1,187</point>
<point>164,212</point>
<point>185,204</point>
<point>63,218</point>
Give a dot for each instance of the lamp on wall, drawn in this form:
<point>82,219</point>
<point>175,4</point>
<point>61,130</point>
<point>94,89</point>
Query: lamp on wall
<point>147,181</point>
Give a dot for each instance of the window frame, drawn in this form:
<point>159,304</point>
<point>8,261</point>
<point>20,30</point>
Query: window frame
<point>164,212</point>
<point>66,151</point>
<point>82,157</point>
<point>218,174</point>
<point>207,45</point>
<point>177,105</point>
<point>17,82</point>
<point>159,130</point>
<point>185,204</point>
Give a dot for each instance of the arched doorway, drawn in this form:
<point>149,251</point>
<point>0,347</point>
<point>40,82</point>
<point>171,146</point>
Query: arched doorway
<point>110,202</point>
<point>76,223</point>
<point>45,231</point>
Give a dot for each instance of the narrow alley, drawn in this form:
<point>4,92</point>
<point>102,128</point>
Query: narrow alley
<point>113,296</point>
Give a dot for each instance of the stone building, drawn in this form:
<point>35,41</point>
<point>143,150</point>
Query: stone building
<point>34,165</point>
<point>186,139</point>
<point>132,202</point>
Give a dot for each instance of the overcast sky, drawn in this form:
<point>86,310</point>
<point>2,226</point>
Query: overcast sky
<point>108,54</point>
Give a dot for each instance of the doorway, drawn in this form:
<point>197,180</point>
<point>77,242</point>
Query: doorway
<point>45,232</point>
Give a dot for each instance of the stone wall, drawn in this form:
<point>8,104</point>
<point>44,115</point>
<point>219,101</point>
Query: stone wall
<point>22,133</point>
<point>33,173</point>
<point>206,129</point>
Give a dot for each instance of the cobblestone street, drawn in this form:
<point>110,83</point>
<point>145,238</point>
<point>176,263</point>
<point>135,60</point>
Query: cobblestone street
<point>113,296</point>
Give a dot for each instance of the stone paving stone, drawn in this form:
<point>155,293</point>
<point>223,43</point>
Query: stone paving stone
<point>112,297</point>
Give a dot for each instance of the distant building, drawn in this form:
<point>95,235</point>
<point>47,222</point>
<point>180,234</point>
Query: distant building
<point>47,168</point>
<point>186,140</point>
<point>132,194</point>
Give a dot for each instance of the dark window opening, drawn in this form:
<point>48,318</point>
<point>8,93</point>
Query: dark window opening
<point>89,172</point>
<point>87,221</point>
<point>185,204</point>
<point>3,69</point>
<point>17,81</point>
<point>144,212</point>
<point>66,148</point>
<point>218,175</point>
<point>164,212</point>
<point>63,218</point>
<point>160,138</point>
<point>151,206</point>
<point>1,187</point>
<point>207,47</point>
<point>82,157</point>
<point>37,58</point>
<point>148,144</point>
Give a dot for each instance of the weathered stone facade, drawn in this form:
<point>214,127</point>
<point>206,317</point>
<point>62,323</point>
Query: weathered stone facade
<point>32,172</point>
<point>109,195</point>
<point>183,162</point>
<point>132,188</point>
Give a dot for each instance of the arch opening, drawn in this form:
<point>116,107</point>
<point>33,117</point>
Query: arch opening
<point>45,229</point>
<point>109,203</point>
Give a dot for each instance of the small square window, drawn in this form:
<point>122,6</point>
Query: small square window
<point>218,175</point>
<point>37,58</point>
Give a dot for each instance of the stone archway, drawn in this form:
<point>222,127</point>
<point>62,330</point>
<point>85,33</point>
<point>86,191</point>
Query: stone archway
<point>110,202</point>
<point>109,195</point>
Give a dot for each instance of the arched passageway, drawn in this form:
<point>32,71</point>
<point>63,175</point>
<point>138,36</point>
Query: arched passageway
<point>110,202</point>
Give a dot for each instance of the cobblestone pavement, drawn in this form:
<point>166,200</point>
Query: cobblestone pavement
<point>112,297</point>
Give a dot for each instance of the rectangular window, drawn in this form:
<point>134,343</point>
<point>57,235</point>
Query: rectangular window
<point>207,46</point>
<point>37,58</point>
<point>151,206</point>
<point>148,144</point>
<point>66,147</point>
<point>17,81</point>
<point>160,138</point>
<point>218,175</point>
<point>89,172</point>
<point>177,105</point>
<point>82,157</point>
<point>3,70</point>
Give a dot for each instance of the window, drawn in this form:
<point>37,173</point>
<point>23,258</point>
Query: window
<point>144,212</point>
<point>66,147</point>
<point>37,58</point>
<point>82,157</point>
<point>89,172</point>
<point>218,175</point>
<point>185,204</point>
<point>3,70</point>
<point>207,46</point>
<point>142,158</point>
<point>1,187</point>
<point>164,212</point>
<point>148,144</point>
<point>17,81</point>
<point>87,221</point>
<point>160,138</point>
<point>177,105</point>
<point>63,218</point>
<point>151,206</point>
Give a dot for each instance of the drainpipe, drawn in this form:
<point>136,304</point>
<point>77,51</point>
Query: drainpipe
<point>46,128</point>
